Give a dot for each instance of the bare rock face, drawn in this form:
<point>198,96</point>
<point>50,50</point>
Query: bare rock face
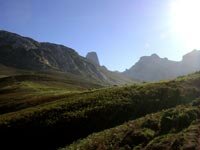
<point>93,58</point>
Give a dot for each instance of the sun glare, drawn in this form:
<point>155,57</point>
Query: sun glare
<point>186,21</point>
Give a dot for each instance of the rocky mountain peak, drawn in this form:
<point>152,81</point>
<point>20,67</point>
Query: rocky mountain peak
<point>192,55</point>
<point>154,56</point>
<point>92,57</point>
<point>152,68</point>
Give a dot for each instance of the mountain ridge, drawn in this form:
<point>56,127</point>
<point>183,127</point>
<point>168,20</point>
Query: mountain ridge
<point>25,53</point>
<point>154,68</point>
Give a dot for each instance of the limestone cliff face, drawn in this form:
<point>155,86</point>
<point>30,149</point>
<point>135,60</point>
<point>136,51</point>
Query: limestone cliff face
<point>92,57</point>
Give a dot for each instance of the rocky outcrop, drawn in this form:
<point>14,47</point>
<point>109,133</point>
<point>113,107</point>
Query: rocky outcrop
<point>92,57</point>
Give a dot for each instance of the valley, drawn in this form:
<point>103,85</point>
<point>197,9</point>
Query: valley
<point>53,98</point>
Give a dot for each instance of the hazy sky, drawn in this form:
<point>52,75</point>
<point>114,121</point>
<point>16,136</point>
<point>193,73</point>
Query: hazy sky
<point>120,31</point>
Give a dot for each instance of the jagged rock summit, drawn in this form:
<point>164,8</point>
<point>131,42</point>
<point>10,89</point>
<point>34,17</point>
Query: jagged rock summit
<point>92,57</point>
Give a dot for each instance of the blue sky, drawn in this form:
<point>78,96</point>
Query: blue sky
<point>120,31</point>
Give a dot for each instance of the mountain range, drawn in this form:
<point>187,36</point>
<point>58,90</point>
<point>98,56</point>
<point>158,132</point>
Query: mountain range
<point>153,68</point>
<point>25,53</point>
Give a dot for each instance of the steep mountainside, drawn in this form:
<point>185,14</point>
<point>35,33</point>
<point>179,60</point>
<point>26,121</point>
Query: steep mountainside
<point>152,68</point>
<point>25,53</point>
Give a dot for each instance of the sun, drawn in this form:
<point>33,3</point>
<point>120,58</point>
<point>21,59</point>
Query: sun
<point>186,21</point>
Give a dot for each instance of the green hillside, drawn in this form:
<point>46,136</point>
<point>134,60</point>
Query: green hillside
<point>21,89</point>
<point>56,112</point>
<point>176,128</point>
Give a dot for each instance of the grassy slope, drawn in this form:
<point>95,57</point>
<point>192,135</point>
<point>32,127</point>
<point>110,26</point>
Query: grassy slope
<point>22,89</point>
<point>80,114</point>
<point>176,128</point>
<point>9,71</point>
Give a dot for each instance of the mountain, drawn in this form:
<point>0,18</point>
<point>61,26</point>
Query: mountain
<point>191,62</point>
<point>153,68</point>
<point>92,57</point>
<point>25,53</point>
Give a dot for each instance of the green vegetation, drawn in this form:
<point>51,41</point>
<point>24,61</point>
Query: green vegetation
<point>62,109</point>
<point>111,105</point>
<point>27,89</point>
<point>146,133</point>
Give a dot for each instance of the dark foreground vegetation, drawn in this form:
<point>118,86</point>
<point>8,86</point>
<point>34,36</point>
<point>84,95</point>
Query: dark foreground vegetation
<point>55,115</point>
<point>173,129</point>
